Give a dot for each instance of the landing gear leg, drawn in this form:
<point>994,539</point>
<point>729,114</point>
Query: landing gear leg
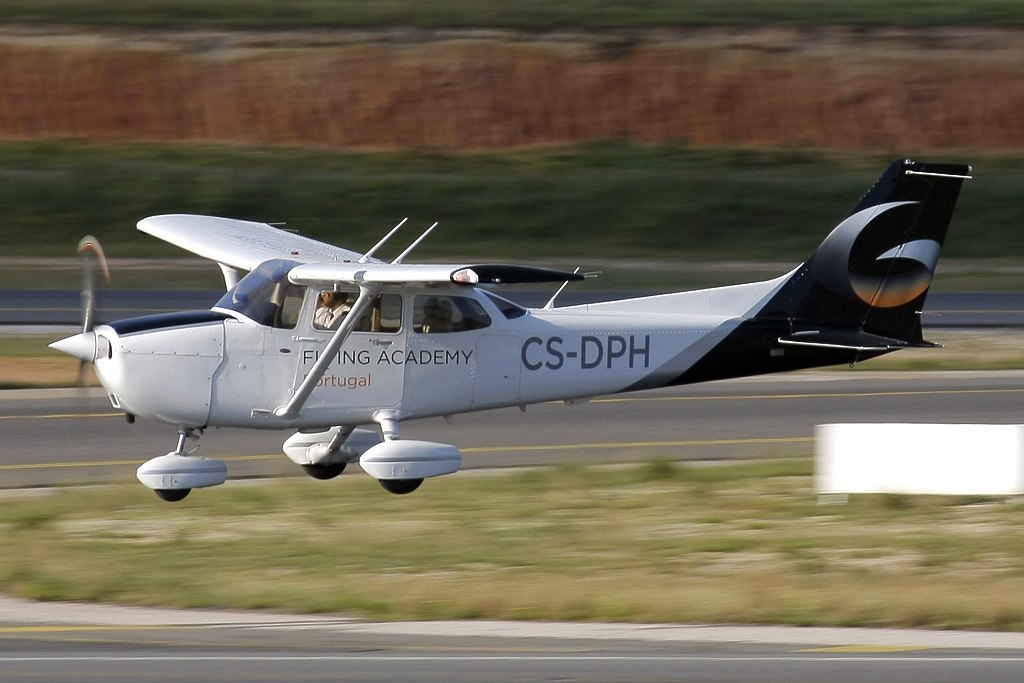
<point>183,436</point>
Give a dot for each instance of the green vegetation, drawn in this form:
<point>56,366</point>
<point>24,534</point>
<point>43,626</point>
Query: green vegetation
<point>26,346</point>
<point>591,202</point>
<point>523,14</point>
<point>656,542</point>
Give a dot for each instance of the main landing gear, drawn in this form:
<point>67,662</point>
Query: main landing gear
<point>399,465</point>
<point>324,454</point>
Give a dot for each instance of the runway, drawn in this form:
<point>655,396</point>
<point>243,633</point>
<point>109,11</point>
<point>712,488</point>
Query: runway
<point>74,436</point>
<point>57,436</point>
<point>83,643</point>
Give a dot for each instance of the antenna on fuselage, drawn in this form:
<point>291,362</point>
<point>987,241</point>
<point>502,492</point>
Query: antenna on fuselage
<point>367,255</point>
<point>414,244</point>
<point>551,302</point>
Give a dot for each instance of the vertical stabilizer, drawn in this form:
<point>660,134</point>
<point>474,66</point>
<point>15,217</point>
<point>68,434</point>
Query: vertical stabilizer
<point>872,273</point>
<point>860,294</point>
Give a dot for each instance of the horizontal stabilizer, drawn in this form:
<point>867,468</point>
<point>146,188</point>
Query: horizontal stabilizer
<point>852,340</point>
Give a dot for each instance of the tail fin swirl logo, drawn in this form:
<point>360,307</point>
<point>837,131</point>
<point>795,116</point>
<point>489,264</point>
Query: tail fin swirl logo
<point>859,260</point>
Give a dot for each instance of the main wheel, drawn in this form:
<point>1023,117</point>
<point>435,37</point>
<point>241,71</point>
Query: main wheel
<point>324,472</point>
<point>400,486</point>
<point>172,495</point>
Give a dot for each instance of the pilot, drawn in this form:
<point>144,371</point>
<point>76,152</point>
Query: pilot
<point>332,309</point>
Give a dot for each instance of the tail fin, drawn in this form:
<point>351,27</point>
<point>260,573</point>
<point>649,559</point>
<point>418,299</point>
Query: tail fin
<point>860,294</point>
<point>865,285</point>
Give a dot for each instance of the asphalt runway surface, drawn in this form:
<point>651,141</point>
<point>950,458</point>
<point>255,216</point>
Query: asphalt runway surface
<point>73,435</point>
<point>62,642</point>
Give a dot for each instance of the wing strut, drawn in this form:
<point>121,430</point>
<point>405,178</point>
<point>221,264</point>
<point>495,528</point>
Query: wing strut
<point>294,405</point>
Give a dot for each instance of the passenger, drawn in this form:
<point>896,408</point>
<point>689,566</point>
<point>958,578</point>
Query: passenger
<point>437,316</point>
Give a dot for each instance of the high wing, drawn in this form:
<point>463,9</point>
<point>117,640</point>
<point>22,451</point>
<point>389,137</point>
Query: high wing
<point>240,244</point>
<point>243,245</point>
<point>429,273</point>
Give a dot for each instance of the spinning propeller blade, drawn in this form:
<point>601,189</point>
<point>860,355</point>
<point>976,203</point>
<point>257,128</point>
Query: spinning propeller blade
<point>93,259</point>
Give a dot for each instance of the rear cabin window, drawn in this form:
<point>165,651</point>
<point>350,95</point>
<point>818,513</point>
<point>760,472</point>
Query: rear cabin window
<point>445,314</point>
<point>507,308</point>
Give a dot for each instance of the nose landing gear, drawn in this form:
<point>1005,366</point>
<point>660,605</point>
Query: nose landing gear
<point>174,475</point>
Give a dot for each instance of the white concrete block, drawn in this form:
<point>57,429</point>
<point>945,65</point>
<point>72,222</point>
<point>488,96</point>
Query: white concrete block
<point>946,459</point>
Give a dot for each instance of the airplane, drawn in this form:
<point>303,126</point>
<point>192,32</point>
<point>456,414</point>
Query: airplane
<point>412,340</point>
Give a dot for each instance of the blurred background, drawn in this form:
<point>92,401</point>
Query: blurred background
<point>667,143</point>
<point>674,134</point>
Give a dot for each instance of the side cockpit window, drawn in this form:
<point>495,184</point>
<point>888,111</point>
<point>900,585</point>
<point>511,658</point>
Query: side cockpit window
<point>333,306</point>
<point>291,305</point>
<point>443,314</point>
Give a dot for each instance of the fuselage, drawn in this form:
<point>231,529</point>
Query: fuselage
<point>421,351</point>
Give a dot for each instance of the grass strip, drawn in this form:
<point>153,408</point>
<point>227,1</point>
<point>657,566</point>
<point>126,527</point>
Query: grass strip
<point>591,203</point>
<point>658,542</point>
<point>524,14</point>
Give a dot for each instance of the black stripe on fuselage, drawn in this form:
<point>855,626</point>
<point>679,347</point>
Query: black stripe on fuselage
<point>147,323</point>
<point>753,348</point>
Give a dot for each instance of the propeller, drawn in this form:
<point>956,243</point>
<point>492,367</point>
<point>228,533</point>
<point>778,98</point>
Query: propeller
<point>93,260</point>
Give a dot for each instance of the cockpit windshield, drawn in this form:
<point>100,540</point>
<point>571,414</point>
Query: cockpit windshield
<point>266,297</point>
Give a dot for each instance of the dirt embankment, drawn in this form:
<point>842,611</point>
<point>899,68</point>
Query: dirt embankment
<point>824,88</point>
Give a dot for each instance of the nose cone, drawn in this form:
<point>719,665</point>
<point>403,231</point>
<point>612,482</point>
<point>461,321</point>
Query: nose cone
<point>81,346</point>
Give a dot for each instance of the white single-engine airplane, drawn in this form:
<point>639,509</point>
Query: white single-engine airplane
<point>329,341</point>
